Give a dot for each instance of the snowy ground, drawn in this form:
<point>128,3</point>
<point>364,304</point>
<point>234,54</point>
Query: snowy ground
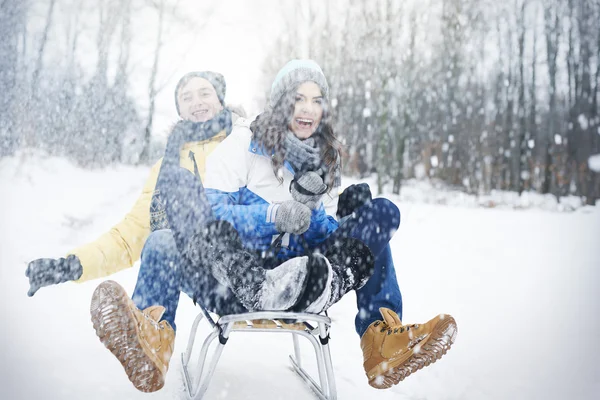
<point>522,285</point>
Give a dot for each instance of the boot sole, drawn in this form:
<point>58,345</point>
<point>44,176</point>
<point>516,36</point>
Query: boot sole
<point>431,349</point>
<point>117,328</point>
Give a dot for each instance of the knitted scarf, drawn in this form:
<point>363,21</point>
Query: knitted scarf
<point>183,132</point>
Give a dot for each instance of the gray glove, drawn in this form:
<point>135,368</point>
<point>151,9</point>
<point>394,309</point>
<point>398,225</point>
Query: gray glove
<point>48,271</point>
<point>301,153</point>
<point>292,217</point>
<point>308,189</point>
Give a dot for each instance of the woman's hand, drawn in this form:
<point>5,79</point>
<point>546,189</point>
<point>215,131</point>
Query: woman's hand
<point>308,189</point>
<point>353,197</point>
<point>292,217</point>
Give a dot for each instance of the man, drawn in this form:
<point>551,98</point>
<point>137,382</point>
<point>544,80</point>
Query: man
<point>199,98</point>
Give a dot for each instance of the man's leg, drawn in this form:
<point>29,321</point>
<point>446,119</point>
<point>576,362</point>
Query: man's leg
<point>140,331</point>
<point>159,280</point>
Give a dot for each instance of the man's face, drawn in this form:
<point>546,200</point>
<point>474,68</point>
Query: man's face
<point>198,101</point>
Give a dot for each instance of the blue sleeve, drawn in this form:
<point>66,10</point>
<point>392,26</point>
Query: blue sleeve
<point>321,226</point>
<point>250,220</point>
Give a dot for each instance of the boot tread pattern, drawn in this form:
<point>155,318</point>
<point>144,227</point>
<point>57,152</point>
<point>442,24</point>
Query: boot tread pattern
<point>117,329</point>
<point>424,353</point>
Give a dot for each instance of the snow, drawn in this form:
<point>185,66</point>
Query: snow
<point>558,139</point>
<point>583,121</point>
<point>522,286</point>
<point>594,162</point>
<point>421,191</point>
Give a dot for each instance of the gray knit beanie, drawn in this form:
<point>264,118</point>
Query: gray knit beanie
<point>294,73</point>
<point>215,79</point>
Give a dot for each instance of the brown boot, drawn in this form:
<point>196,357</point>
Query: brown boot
<point>393,351</point>
<point>142,344</point>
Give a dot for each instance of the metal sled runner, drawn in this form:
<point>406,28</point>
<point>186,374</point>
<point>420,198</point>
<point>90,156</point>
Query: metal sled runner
<point>311,326</point>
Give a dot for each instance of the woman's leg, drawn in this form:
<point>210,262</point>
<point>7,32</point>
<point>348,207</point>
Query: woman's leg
<point>374,225</point>
<point>160,281</point>
<point>381,290</point>
<point>213,257</point>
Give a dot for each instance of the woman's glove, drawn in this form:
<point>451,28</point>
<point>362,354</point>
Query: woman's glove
<point>308,188</point>
<point>292,217</point>
<point>48,271</point>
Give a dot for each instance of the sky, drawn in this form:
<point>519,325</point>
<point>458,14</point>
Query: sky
<point>234,43</point>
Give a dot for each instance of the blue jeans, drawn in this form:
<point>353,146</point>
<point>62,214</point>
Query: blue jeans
<point>160,281</point>
<point>374,224</point>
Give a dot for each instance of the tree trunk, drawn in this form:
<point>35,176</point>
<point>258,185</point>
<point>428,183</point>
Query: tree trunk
<point>12,22</point>
<point>552,31</point>
<point>520,158</point>
<point>532,131</point>
<point>145,155</point>
<point>40,59</point>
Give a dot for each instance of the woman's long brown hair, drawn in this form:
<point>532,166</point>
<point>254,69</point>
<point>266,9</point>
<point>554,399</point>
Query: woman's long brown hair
<point>270,127</point>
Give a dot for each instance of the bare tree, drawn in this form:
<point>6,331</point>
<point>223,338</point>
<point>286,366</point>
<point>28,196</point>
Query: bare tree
<point>160,8</point>
<point>40,55</point>
<point>154,88</point>
<point>12,26</point>
<point>553,30</point>
<point>466,124</point>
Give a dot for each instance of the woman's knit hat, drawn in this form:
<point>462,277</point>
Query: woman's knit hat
<point>215,79</point>
<point>294,73</point>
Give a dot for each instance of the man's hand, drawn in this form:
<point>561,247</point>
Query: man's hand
<point>48,271</point>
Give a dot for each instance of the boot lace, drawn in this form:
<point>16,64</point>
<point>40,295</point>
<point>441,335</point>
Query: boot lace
<point>394,329</point>
<point>154,323</point>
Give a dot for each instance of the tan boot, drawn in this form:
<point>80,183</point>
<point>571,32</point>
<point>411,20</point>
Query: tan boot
<point>142,344</point>
<point>393,351</point>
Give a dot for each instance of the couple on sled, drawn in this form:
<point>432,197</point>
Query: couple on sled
<point>245,216</point>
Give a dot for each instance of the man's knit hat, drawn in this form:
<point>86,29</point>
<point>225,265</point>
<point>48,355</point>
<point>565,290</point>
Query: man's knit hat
<point>215,79</point>
<point>294,73</point>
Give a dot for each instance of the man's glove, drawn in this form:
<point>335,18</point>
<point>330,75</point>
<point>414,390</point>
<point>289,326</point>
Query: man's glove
<point>308,188</point>
<point>292,217</point>
<point>352,198</point>
<point>49,271</point>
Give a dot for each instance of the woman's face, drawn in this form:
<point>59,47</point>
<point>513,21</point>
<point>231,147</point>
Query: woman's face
<point>308,110</point>
<point>198,101</point>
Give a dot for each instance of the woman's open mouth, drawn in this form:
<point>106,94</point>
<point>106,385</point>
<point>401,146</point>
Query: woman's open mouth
<point>304,122</point>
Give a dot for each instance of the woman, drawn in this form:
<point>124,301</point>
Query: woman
<point>274,181</point>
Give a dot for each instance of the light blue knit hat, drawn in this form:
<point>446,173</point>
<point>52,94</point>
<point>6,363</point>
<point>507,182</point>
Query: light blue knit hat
<point>294,73</point>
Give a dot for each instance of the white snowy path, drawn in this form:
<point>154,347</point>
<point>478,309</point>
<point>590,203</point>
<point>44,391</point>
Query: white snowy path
<point>522,285</point>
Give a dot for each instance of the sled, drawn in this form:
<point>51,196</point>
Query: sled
<point>313,327</point>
